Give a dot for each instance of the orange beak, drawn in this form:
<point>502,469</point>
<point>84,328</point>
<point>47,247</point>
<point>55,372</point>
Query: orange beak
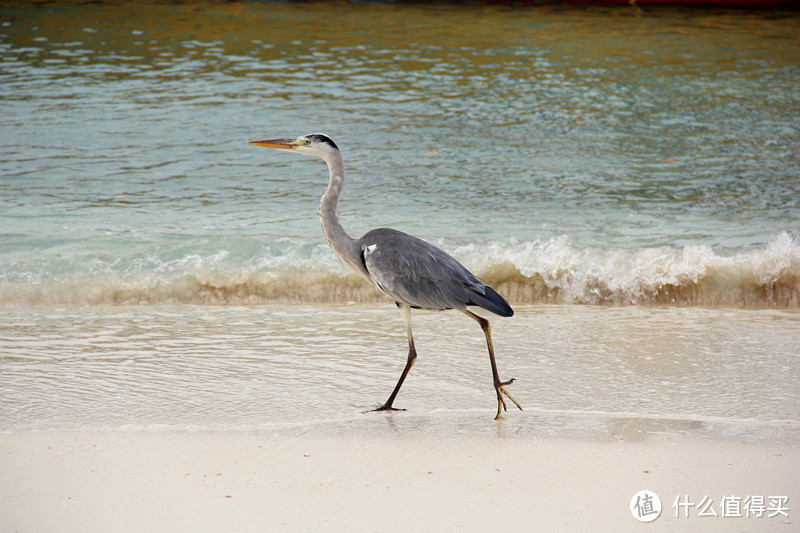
<point>280,144</point>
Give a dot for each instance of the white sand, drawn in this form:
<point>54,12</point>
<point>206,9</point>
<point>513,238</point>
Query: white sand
<point>678,401</point>
<point>109,481</point>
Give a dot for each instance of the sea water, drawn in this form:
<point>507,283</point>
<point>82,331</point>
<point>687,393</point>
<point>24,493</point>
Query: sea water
<point>568,156</point>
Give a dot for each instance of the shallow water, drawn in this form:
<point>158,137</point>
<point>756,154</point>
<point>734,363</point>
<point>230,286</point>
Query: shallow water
<point>599,155</point>
<point>578,369</point>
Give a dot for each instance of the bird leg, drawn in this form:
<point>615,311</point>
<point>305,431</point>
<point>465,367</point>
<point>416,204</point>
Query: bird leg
<point>405,310</point>
<point>499,386</point>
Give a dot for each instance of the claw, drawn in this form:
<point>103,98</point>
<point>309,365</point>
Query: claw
<point>501,403</point>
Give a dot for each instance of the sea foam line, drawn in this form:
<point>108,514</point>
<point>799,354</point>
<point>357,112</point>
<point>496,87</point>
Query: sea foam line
<point>532,272</point>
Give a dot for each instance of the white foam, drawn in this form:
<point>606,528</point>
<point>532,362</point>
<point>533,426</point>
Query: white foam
<point>593,276</point>
<point>554,270</point>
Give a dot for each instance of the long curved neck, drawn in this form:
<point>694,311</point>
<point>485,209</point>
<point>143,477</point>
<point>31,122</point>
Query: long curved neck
<point>342,244</point>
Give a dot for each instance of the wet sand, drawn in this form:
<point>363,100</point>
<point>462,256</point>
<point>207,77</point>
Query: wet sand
<point>267,366</point>
<point>256,419</point>
<point>338,479</point>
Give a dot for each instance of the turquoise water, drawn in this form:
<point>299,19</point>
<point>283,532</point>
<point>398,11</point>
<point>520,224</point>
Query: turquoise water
<point>564,155</point>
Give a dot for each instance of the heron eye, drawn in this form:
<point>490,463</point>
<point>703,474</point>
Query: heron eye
<point>306,142</point>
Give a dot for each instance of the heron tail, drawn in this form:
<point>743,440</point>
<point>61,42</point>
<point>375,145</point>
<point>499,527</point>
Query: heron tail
<point>492,302</point>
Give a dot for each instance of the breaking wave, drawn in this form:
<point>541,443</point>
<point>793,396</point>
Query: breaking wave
<point>557,272</point>
<point>552,271</point>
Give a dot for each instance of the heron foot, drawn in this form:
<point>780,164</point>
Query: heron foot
<point>501,403</point>
<point>386,408</point>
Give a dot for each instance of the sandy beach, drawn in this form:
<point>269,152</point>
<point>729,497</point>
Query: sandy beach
<point>394,476</point>
<point>249,419</point>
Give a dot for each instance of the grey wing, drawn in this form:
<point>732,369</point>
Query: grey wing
<point>417,273</point>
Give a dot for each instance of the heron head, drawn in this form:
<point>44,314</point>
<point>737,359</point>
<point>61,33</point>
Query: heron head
<point>316,144</point>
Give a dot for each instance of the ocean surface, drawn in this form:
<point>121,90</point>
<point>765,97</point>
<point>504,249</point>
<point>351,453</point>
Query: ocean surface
<point>637,164</point>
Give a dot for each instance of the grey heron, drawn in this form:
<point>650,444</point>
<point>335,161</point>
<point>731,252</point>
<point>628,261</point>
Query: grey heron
<point>413,272</point>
